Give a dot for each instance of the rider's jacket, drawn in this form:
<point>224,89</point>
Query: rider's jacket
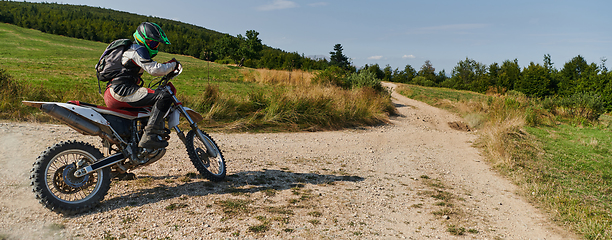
<point>136,60</point>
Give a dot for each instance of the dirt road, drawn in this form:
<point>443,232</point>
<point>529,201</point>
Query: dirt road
<point>415,178</point>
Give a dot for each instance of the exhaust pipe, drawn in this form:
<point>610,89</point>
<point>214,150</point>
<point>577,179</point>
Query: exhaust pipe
<point>71,119</point>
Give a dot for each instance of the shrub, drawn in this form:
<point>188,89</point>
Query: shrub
<point>11,94</point>
<point>422,81</point>
<point>224,61</point>
<point>363,79</point>
<point>587,105</point>
<point>8,85</point>
<point>331,76</point>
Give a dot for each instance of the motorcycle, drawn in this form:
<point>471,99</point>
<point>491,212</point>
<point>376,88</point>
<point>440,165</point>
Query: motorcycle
<point>73,177</point>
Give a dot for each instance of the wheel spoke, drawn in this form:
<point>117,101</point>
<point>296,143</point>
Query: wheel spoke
<point>209,167</point>
<point>58,185</point>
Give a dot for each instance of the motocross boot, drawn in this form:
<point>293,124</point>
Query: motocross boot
<point>154,137</point>
<point>155,134</point>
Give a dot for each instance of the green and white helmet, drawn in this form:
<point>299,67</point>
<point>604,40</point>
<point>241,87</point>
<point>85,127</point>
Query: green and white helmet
<point>150,35</point>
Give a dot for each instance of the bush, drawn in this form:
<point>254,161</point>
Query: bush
<point>224,61</point>
<point>8,85</point>
<point>363,79</point>
<point>331,76</point>
<point>422,81</point>
<point>11,94</point>
<point>586,105</point>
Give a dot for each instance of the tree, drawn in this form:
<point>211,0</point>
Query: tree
<point>579,76</point>
<point>374,69</point>
<point>250,47</point>
<point>493,75</point>
<point>337,58</point>
<point>227,47</point>
<point>470,75</point>
<point>441,77</point>
<point>427,71</point>
<point>570,74</point>
<point>388,73</point>
<point>509,73</point>
<point>552,74</point>
<point>535,81</point>
<point>410,73</point>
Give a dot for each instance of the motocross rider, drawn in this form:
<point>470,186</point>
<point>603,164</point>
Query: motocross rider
<point>126,91</point>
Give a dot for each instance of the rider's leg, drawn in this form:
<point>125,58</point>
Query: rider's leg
<point>155,133</point>
<point>155,136</point>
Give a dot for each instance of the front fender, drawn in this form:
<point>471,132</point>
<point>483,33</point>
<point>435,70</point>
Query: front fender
<point>195,116</point>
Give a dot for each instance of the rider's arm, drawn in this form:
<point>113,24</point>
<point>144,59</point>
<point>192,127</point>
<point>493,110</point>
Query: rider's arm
<point>140,57</point>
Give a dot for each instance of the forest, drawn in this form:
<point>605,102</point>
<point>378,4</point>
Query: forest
<point>576,82</point>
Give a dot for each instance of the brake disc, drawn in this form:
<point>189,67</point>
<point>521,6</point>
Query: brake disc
<point>65,181</point>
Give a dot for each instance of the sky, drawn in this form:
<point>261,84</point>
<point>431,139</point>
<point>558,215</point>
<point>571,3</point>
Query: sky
<point>400,33</point>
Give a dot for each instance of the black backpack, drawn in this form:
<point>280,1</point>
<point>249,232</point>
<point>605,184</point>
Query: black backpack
<point>109,66</point>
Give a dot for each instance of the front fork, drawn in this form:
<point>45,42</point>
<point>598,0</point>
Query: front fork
<point>211,150</point>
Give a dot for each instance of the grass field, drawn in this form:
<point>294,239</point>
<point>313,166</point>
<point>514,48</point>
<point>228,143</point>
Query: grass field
<point>573,178</point>
<point>48,67</point>
<point>61,63</point>
<point>564,167</point>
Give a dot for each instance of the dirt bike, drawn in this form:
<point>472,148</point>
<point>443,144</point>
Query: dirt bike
<point>72,177</point>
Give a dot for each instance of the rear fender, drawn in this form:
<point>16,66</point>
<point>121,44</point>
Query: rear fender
<point>84,112</point>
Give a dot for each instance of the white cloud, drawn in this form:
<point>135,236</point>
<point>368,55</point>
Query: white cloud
<point>375,57</point>
<point>408,56</point>
<point>278,5</point>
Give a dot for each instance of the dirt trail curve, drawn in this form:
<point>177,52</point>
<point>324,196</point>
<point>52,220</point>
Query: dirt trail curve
<point>415,178</point>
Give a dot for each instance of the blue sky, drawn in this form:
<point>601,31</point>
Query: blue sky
<point>398,33</point>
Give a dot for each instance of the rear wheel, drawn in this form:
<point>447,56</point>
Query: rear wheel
<point>55,185</point>
<point>212,168</point>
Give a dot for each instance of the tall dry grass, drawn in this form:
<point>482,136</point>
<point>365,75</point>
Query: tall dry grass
<point>288,101</point>
<point>504,122</point>
<point>292,102</point>
<point>267,76</point>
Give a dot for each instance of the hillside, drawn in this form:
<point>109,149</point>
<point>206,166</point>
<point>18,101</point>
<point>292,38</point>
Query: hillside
<point>49,67</point>
<point>60,62</point>
<point>106,25</point>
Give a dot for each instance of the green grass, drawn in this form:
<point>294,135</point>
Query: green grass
<point>432,96</point>
<point>561,164</point>
<point>574,177</point>
<point>61,63</point>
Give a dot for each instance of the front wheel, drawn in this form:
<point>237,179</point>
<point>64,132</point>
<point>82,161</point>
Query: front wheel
<point>211,168</point>
<point>55,185</point>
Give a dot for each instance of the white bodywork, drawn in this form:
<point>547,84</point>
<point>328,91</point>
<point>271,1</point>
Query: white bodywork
<point>86,112</point>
